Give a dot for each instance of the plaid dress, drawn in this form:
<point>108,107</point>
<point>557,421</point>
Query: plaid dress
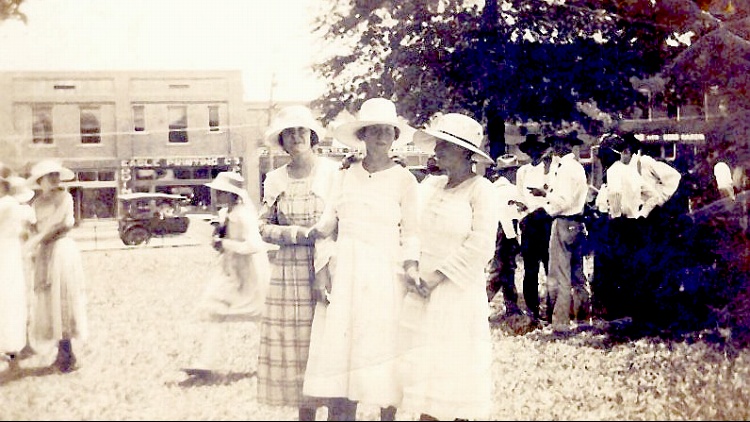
<point>290,205</point>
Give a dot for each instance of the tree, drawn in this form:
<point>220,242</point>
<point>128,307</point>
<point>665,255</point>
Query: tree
<point>518,61</point>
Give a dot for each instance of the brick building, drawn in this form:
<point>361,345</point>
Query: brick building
<point>129,131</point>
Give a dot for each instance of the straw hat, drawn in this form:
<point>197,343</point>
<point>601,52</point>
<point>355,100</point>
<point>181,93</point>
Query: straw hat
<point>375,111</point>
<point>230,181</point>
<point>50,166</point>
<point>507,161</point>
<point>289,117</point>
<point>455,128</point>
<point>19,188</point>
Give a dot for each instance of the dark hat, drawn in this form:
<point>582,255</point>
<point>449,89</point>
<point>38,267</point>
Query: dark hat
<point>570,138</point>
<point>630,141</point>
<point>532,143</point>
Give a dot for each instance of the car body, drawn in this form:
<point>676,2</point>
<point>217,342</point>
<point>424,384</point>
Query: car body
<point>145,215</point>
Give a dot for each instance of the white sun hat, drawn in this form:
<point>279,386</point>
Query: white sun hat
<point>455,128</point>
<point>19,188</point>
<point>230,181</point>
<point>290,117</point>
<point>375,111</point>
<point>50,166</point>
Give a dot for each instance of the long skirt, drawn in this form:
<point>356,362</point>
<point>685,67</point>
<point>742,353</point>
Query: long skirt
<point>60,293</point>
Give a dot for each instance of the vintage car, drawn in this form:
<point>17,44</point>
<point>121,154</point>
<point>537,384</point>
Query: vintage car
<point>145,215</point>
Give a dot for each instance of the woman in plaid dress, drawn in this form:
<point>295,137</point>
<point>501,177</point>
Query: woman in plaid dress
<point>293,200</point>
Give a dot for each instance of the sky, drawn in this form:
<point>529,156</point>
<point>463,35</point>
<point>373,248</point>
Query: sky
<point>266,39</point>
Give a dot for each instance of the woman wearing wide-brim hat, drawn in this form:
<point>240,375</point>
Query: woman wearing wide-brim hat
<point>374,208</point>
<point>236,289</point>
<point>59,280</point>
<point>447,357</point>
<point>294,198</point>
<point>15,218</point>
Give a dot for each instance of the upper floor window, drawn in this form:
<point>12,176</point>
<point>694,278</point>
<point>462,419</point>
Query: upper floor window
<point>41,128</point>
<point>139,118</point>
<point>91,127</point>
<point>178,124</point>
<point>213,118</point>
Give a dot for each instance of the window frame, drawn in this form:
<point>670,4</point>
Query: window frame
<point>95,136</point>
<point>48,136</point>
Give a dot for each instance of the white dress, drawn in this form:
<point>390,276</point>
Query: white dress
<point>447,361</point>
<point>354,347</point>
<point>13,299</point>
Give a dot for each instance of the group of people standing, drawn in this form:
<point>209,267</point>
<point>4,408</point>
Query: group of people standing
<point>560,218</point>
<point>377,291</point>
<point>43,303</point>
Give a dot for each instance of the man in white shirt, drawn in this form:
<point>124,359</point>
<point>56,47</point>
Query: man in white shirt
<point>503,265</point>
<point>536,224</point>
<point>565,201</point>
<point>620,234</point>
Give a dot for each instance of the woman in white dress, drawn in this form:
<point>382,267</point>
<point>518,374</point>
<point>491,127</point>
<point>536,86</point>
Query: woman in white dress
<point>447,362</point>
<point>237,290</point>
<point>15,216</point>
<point>59,279</point>
<point>354,347</point>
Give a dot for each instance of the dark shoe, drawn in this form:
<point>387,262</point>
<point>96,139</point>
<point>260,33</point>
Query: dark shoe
<point>67,366</point>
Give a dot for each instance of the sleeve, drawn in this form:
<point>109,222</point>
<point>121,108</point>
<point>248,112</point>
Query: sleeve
<point>249,240</point>
<point>668,179</point>
<point>270,229</point>
<point>558,198</point>
<point>479,246</point>
<point>68,218</point>
<point>328,221</point>
<point>506,212</point>
<point>410,204</point>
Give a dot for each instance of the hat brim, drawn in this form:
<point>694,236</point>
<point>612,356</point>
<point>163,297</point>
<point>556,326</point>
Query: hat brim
<point>271,136</point>
<point>346,133</point>
<point>66,175</point>
<point>532,146</point>
<point>425,140</point>
<point>228,188</point>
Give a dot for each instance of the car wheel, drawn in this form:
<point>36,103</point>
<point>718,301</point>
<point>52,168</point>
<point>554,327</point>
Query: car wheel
<point>136,236</point>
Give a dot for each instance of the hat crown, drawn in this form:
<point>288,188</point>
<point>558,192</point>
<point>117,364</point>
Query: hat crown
<point>460,126</point>
<point>378,110</point>
<point>50,166</point>
<point>294,116</point>
<point>230,178</point>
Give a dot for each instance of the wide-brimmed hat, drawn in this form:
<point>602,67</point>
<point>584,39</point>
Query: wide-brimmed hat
<point>455,128</point>
<point>50,166</point>
<point>20,189</point>
<point>533,142</point>
<point>290,117</point>
<point>507,161</point>
<point>230,181</point>
<point>375,111</point>
<point>564,138</point>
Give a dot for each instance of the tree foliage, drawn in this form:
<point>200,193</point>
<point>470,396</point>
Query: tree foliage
<point>512,60</point>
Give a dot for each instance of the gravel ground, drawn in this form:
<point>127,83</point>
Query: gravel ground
<point>144,328</point>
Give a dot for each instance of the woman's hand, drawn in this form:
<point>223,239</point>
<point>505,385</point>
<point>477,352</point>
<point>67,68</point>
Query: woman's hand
<point>427,285</point>
<point>322,286</point>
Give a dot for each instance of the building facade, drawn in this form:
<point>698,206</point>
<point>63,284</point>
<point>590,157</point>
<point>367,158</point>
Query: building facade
<point>121,131</point>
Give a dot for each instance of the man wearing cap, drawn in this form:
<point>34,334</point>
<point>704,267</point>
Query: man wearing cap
<point>565,201</point>
<point>536,224</point>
